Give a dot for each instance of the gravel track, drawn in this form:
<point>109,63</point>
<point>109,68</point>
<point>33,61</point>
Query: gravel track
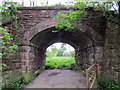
<point>58,78</point>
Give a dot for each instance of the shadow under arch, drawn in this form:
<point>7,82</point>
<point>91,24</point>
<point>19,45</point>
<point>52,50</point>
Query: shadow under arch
<point>44,25</point>
<point>77,39</point>
<point>82,39</point>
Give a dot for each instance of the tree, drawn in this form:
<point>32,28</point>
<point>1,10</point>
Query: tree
<point>44,2</point>
<point>61,50</point>
<point>72,54</point>
<point>52,53</point>
<point>74,17</point>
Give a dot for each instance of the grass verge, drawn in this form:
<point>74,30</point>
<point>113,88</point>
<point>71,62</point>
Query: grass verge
<point>60,63</point>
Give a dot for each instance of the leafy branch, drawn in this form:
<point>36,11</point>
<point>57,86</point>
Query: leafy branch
<point>9,36</point>
<point>8,47</point>
<point>8,10</point>
<point>74,17</point>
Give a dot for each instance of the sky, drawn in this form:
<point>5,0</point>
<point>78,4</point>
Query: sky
<point>38,2</point>
<point>58,45</point>
<point>50,2</point>
<point>53,2</point>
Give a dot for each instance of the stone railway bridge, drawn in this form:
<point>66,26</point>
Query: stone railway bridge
<point>94,42</point>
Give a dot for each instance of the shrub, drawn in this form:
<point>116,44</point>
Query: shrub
<point>108,84</point>
<point>27,77</point>
<point>60,63</point>
<point>14,80</point>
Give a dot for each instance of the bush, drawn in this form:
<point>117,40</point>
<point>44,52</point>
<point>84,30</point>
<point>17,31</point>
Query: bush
<point>14,81</point>
<point>60,63</point>
<point>27,77</point>
<point>108,84</point>
<point>18,78</point>
<point>72,54</point>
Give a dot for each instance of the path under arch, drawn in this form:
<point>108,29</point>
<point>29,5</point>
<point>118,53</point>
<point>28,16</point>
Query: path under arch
<point>58,78</point>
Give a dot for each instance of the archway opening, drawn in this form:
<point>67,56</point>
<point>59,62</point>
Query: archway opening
<point>83,43</point>
<point>60,56</point>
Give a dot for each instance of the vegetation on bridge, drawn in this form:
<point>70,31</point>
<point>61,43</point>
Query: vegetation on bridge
<point>10,41</point>
<point>74,17</point>
<point>9,37</point>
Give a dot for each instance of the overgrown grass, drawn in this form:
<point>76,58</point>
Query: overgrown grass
<point>109,85</point>
<point>60,63</point>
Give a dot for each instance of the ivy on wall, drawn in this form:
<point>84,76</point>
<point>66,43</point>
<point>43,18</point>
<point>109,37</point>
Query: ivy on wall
<point>8,10</point>
<point>8,46</point>
<point>74,17</point>
<point>9,31</point>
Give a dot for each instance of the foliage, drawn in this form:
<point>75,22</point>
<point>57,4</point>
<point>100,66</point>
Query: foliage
<point>9,36</point>
<point>107,84</point>
<point>59,4</point>
<point>27,77</point>
<point>68,54</point>
<point>8,10</point>
<point>52,53</point>
<point>105,8</point>
<point>14,80</point>
<point>48,54</point>
<point>60,63</point>
<point>72,54</point>
<point>8,48</point>
<point>3,66</point>
<point>73,19</point>
<point>17,78</point>
<point>61,50</point>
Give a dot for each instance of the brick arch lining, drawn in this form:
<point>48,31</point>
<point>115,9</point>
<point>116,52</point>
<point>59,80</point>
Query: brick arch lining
<point>92,42</point>
<point>52,23</point>
<point>41,36</point>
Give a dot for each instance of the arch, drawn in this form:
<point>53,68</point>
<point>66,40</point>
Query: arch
<point>52,23</point>
<point>66,57</point>
<point>41,36</point>
<point>47,37</point>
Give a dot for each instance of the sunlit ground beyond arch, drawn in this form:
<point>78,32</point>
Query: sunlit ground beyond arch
<point>60,56</point>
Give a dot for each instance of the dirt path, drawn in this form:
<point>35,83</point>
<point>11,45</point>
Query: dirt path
<point>58,79</point>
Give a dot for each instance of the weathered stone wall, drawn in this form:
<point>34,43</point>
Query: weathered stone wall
<point>96,41</point>
<point>93,44</point>
<point>12,64</point>
<point>40,17</point>
<point>110,63</point>
<point>85,57</point>
<point>95,20</point>
<point>88,56</point>
<point>29,17</point>
<point>24,53</point>
<point>118,70</point>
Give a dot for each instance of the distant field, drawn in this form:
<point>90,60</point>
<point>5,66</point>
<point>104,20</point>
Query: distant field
<point>60,63</point>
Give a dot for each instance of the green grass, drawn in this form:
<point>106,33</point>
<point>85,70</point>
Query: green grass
<point>109,85</point>
<point>60,63</point>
